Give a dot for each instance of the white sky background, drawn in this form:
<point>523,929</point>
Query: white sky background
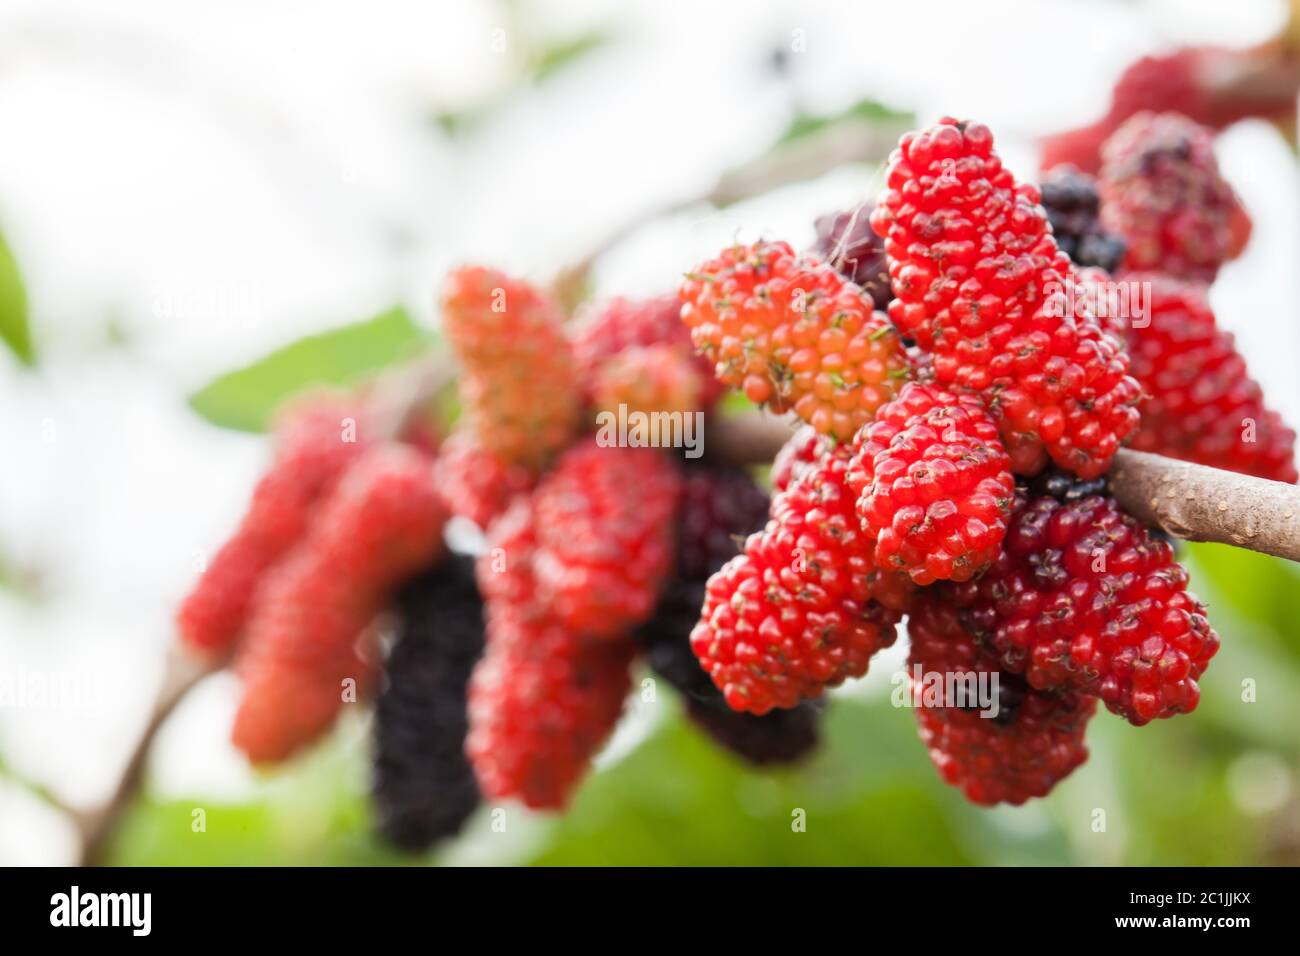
<point>220,178</point>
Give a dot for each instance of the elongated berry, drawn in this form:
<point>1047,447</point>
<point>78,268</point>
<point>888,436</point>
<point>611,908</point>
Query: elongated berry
<point>979,280</point>
<point>381,524</point>
<point>315,438</point>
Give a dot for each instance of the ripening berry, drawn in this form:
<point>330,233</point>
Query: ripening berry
<point>380,525</point>
<point>541,703</point>
<point>649,379</point>
<point>1085,598</point>
<point>622,324</point>
<point>979,280</point>
<point>792,333</point>
<point>801,610</point>
<point>518,384</point>
<point>315,439</point>
<point>1201,405</point>
<point>475,483</point>
<point>604,526</point>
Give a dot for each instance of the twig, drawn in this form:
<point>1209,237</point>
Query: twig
<point>181,672</point>
<point>1205,504</point>
<point>1188,501</point>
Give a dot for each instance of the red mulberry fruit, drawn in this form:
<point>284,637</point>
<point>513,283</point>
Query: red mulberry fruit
<point>381,524</point>
<point>316,438</point>
<point>1085,598</point>
<point>604,519</point>
<point>1003,750</point>
<point>934,485</point>
<point>1202,404</point>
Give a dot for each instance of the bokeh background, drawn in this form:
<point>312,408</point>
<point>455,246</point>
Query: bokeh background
<point>188,186</point>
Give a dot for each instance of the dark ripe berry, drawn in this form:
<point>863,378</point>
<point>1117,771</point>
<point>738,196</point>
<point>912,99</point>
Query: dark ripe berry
<point>847,241</point>
<point>1163,194</point>
<point>422,785</point>
<point>1073,207</point>
<point>718,508</point>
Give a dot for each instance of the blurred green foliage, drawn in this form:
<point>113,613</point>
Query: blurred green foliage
<point>14,329</point>
<point>247,398</point>
<point>1217,787</point>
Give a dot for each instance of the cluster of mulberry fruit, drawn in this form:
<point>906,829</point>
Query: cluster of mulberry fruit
<point>961,396</point>
<point>971,496</point>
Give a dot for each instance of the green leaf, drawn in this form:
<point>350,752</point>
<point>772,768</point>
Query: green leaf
<point>13,308</point>
<point>863,111</point>
<point>246,399</point>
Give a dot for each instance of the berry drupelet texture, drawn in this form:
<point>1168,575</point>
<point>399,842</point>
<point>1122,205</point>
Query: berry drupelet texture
<point>542,701</point>
<point>934,484</point>
<point>1202,404</point>
<point>795,613</point>
<point>1003,750</point>
<point>793,334</point>
<point>799,454</point>
<point>422,784</point>
<point>980,282</point>
<point>382,523</point>
<point>1085,598</point>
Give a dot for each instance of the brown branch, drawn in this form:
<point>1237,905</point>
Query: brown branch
<point>1189,501</point>
<point>1205,504</point>
<point>181,672</point>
